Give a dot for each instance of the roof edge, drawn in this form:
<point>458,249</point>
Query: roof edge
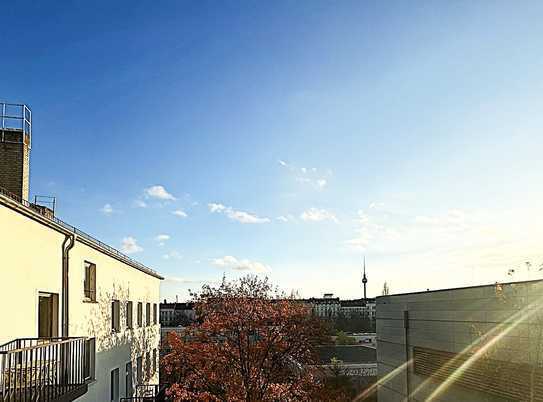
<point>462,287</point>
<point>82,237</point>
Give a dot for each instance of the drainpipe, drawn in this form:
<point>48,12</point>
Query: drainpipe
<point>67,245</point>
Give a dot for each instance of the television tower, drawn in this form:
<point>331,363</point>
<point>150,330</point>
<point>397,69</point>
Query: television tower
<point>364,279</point>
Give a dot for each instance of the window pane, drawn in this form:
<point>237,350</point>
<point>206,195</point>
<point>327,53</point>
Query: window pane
<point>129,314</point>
<point>115,385</point>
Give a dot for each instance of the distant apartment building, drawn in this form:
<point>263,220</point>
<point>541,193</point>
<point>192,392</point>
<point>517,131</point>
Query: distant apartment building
<point>358,307</point>
<point>482,343</point>
<point>329,306</point>
<point>79,318</point>
<point>176,314</point>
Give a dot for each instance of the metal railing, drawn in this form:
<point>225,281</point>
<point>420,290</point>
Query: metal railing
<point>16,116</point>
<point>110,250</point>
<point>147,393</point>
<point>41,369</point>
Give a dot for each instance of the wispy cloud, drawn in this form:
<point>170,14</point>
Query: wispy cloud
<point>231,262</point>
<point>158,192</point>
<point>140,204</point>
<point>239,216</point>
<point>318,215</point>
<point>161,239</point>
<point>310,176</point>
<point>129,245</point>
<point>285,218</point>
<point>107,209</point>
<point>180,280</point>
<point>180,213</point>
<point>172,255</point>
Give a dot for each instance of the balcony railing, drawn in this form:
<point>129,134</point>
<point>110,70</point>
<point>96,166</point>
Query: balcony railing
<point>43,369</point>
<point>147,393</point>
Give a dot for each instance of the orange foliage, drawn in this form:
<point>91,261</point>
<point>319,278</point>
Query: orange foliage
<point>249,344</point>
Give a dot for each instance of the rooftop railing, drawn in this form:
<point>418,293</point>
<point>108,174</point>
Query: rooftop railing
<point>15,116</point>
<point>110,250</point>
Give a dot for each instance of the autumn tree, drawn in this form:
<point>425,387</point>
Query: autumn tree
<point>249,343</point>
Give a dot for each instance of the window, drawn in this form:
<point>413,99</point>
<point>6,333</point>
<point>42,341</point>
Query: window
<point>148,314</point>
<point>147,364</point>
<point>139,368</point>
<point>154,361</point>
<point>154,313</point>
<point>129,314</point>
<point>90,358</point>
<point>114,385</point>
<point>140,314</point>
<point>115,316</point>
<point>89,284</point>
<point>129,389</point>
<point>47,315</point>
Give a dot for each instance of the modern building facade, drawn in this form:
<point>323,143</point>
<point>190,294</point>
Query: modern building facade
<point>475,344</point>
<point>80,319</point>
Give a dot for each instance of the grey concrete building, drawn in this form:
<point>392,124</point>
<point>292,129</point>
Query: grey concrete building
<point>473,344</point>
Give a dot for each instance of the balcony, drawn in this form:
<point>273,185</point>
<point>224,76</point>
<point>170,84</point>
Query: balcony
<point>147,393</point>
<point>43,369</point>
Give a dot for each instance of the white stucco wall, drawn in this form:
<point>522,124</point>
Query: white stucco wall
<point>119,281</point>
<point>31,262</point>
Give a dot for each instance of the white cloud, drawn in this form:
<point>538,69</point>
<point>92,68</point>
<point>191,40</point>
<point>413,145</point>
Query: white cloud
<point>177,279</point>
<point>451,218</point>
<point>239,216</point>
<point>231,262</point>
<point>161,239</point>
<point>285,218</point>
<point>180,213</point>
<point>140,204</point>
<point>107,209</point>
<point>310,176</point>
<point>172,255</point>
<point>216,207</point>
<point>318,215</point>
<point>159,192</point>
<point>377,205</point>
<point>245,217</point>
<point>129,245</point>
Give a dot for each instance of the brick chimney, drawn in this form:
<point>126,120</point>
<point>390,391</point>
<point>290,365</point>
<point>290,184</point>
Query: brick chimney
<point>15,145</point>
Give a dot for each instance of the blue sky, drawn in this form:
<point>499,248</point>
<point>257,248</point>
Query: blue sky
<point>292,138</point>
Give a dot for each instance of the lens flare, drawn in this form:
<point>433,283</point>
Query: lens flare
<point>370,390</point>
<point>495,334</point>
